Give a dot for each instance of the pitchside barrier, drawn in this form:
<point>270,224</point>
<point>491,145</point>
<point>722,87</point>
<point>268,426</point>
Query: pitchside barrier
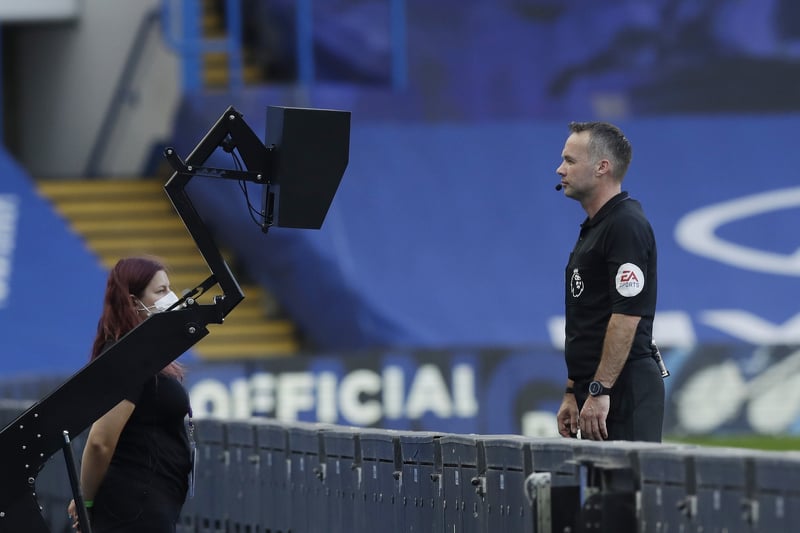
<point>267,476</point>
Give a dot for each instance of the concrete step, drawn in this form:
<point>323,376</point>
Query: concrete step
<point>115,209</point>
<point>77,188</point>
<point>170,226</point>
<point>213,351</point>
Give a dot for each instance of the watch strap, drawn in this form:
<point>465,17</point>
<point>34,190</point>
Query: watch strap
<point>598,389</point>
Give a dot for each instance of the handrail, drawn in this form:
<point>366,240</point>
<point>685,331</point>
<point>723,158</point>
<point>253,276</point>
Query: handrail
<point>233,18</point>
<point>304,34</point>
<point>398,25</point>
<point>120,94</point>
<point>182,32</point>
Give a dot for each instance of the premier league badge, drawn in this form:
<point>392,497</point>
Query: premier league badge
<point>576,284</point>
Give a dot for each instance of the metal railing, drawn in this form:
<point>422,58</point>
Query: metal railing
<point>182,27</point>
<point>266,475</point>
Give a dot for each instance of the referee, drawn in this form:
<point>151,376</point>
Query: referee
<point>614,388</point>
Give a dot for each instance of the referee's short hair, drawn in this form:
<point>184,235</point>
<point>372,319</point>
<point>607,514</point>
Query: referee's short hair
<point>606,141</point>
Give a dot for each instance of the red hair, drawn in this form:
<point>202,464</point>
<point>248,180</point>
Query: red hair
<point>130,275</point>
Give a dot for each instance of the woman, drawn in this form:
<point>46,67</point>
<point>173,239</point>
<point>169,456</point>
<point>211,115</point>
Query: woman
<point>136,463</point>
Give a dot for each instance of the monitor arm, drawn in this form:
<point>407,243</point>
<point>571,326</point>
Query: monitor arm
<point>29,441</point>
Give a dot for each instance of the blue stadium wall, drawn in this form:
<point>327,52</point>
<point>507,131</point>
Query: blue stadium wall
<point>447,243</point>
<point>445,235</point>
<point>51,286</point>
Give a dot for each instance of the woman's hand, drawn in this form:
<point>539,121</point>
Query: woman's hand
<point>72,511</point>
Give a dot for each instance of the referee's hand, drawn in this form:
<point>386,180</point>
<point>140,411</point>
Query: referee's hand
<point>567,417</point>
<point>592,419</point>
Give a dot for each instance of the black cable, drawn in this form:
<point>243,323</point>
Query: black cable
<point>254,213</point>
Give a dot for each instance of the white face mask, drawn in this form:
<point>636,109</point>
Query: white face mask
<point>162,304</point>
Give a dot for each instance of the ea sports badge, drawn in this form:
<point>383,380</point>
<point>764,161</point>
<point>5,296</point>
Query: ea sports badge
<point>630,280</point>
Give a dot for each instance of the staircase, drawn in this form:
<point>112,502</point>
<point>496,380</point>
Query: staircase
<point>118,218</point>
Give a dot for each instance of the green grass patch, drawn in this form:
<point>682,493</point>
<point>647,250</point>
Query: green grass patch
<point>756,442</point>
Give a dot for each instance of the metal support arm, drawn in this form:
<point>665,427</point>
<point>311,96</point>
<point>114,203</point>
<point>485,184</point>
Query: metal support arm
<point>30,440</point>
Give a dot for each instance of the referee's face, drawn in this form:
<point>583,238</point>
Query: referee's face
<point>577,170</point>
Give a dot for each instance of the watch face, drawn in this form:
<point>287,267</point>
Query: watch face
<point>595,388</point>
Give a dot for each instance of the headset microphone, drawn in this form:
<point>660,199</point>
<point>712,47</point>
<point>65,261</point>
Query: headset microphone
<point>559,187</point>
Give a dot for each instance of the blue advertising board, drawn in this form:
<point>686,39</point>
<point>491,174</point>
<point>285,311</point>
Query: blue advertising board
<point>711,389</point>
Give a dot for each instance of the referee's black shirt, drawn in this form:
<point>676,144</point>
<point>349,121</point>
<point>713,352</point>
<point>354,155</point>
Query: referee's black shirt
<point>612,269</point>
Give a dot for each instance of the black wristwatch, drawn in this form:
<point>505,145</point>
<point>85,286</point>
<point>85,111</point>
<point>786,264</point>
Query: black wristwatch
<point>598,389</point>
